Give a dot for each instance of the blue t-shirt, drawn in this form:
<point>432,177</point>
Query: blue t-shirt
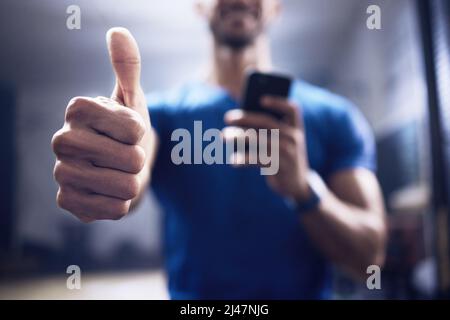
<point>227,235</point>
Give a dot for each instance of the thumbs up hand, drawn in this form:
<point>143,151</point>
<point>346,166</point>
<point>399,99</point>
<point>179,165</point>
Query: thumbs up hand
<point>103,149</point>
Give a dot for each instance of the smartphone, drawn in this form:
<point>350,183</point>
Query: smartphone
<point>262,84</point>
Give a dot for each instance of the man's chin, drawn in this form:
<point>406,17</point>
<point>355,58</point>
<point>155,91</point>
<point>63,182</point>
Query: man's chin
<point>235,43</point>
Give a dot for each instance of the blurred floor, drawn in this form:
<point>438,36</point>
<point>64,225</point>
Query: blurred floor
<point>123,285</point>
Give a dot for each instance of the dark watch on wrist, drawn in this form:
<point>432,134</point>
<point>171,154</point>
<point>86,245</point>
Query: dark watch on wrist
<point>317,188</point>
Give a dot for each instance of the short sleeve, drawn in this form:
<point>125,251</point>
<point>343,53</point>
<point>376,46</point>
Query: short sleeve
<point>158,115</point>
<point>351,143</point>
<point>160,118</point>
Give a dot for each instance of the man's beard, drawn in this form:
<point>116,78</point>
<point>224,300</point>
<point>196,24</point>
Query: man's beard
<point>233,42</point>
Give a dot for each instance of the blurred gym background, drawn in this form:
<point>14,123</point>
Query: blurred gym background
<point>399,76</point>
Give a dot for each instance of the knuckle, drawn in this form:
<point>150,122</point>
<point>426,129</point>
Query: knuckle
<point>131,187</point>
<point>59,198</point>
<point>295,110</point>
<point>63,200</point>
<point>76,109</point>
<point>135,125</point>
<point>120,210</point>
<point>60,141</point>
<point>136,159</point>
<point>68,142</point>
<point>59,172</point>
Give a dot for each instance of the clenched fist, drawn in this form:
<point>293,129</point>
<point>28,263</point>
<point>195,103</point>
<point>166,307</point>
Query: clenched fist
<point>103,149</point>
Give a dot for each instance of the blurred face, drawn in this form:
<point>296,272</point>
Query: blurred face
<point>237,23</point>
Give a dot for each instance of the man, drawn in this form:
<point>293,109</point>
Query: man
<point>229,231</point>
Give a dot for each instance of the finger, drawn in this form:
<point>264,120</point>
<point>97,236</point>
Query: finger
<point>248,138</point>
<point>243,159</point>
<point>257,120</point>
<point>104,181</point>
<point>99,150</point>
<point>106,117</point>
<point>246,159</point>
<point>282,106</point>
<point>249,149</point>
<point>60,203</point>
<point>89,207</point>
<point>126,62</point>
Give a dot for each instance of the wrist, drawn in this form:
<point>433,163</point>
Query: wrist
<point>311,195</point>
<point>303,193</point>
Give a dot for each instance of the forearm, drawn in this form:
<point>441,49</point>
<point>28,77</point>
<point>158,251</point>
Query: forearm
<point>353,237</point>
<point>348,225</point>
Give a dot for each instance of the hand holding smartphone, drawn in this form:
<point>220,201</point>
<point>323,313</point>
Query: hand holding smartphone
<point>264,84</point>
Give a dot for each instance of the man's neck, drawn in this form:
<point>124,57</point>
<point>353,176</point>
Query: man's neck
<point>229,67</point>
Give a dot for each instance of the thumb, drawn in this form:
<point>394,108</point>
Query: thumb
<point>126,62</point>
